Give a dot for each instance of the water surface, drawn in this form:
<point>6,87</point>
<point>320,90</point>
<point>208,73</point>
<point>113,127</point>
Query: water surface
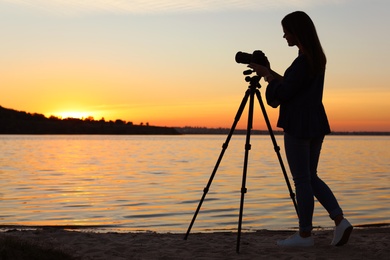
<point>131,183</point>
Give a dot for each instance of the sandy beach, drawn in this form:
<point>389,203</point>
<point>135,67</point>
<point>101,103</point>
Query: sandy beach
<point>365,243</point>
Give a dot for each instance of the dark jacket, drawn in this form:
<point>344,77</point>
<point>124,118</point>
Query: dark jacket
<point>301,113</point>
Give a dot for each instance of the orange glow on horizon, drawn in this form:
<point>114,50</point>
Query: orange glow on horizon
<point>73,114</point>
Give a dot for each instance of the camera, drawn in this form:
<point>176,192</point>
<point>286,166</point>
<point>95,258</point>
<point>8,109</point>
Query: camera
<point>257,57</point>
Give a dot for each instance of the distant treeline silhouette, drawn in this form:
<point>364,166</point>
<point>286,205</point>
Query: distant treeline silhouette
<point>20,122</point>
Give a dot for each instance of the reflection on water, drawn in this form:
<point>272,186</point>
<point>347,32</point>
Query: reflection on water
<point>155,182</point>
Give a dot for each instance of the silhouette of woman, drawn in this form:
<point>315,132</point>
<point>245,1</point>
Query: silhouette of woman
<point>303,119</point>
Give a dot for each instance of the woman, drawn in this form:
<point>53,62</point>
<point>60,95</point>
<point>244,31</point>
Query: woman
<point>303,119</point>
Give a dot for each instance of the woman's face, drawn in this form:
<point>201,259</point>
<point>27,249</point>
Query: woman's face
<point>290,38</point>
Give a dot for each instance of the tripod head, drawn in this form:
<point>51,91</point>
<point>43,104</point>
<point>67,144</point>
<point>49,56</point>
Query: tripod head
<point>253,81</point>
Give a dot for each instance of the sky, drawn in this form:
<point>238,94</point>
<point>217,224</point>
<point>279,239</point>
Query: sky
<point>171,62</point>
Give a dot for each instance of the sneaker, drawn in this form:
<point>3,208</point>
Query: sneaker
<point>296,240</point>
<point>341,233</point>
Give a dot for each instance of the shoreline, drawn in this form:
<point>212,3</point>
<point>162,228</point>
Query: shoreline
<point>118,229</point>
<point>366,242</point>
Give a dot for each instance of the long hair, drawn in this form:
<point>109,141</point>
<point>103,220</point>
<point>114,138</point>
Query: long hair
<point>302,28</point>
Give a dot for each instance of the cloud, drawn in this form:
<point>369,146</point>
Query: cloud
<point>161,6</point>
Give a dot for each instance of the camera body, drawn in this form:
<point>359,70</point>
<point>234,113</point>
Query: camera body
<point>257,57</point>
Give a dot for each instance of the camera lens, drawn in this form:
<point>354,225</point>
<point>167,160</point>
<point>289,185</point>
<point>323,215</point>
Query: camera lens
<point>243,57</point>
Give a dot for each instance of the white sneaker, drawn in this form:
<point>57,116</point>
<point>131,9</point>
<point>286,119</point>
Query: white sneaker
<point>341,233</point>
<point>296,240</point>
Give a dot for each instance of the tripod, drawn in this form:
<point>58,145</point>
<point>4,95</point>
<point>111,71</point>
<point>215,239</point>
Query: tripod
<point>253,89</point>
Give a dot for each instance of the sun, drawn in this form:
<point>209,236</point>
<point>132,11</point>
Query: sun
<point>73,114</point>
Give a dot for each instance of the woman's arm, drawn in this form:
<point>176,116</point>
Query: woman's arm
<point>276,75</point>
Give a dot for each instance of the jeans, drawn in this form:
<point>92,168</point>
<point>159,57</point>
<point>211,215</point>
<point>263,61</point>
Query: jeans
<point>303,156</point>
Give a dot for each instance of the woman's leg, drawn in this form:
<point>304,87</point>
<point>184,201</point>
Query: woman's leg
<point>298,157</point>
<point>325,196</point>
<point>320,189</point>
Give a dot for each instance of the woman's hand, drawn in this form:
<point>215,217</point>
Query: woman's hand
<point>260,70</point>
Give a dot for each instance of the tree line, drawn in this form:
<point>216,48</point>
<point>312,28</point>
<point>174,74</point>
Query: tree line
<point>20,122</point>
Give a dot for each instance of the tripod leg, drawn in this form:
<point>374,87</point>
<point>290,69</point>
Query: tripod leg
<point>224,147</point>
<point>247,148</point>
<point>277,150</point>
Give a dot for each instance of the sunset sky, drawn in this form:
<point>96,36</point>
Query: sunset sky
<point>171,62</point>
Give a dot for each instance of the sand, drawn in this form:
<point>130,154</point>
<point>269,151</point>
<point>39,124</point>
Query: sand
<point>365,243</point>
